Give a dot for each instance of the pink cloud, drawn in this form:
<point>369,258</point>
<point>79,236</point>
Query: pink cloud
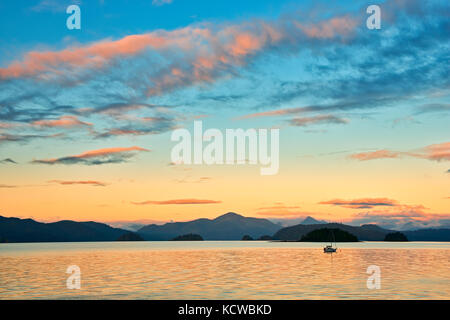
<point>204,53</point>
<point>435,152</point>
<point>339,26</point>
<point>94,55</point>
<point>107,151</point>
<point>64,121</point>
<point>379,154</point>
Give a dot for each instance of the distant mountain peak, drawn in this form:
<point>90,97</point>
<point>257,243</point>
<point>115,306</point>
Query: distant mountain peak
<point>311,220</point>
<point>229,215</point>
<point>229,226</point>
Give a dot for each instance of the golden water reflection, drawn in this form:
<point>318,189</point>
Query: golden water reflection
<point>225,273</point>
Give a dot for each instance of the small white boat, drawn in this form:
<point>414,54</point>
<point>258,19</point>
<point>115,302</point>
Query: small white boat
<point>330,248</point>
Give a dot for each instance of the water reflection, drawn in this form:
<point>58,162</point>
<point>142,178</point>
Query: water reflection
<point>218,271</point>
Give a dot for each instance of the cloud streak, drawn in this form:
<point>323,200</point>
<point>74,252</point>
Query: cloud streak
<point>434,107</point>
<point>372,155</point>
<point>8,161</point>
<point>7,186</point>
<point>320,119</point>
<point>178,202</point>
<point>23,138</point>
<point>364,203</point>
<point>80,182</point>
<point>434,152</point>
<point>96,157</point>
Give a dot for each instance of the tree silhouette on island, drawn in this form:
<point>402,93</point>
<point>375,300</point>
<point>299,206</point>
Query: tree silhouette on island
<point>328,235</point>
<point>188,237</point>
<point>395,236</point>
<point>262,238</point>
<point>130,236</point>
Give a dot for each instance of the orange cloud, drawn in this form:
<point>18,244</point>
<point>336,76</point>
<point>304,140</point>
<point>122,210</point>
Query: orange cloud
<point>83,182</point>
<point>244,44</point>
<point>107,151</point>
<point>436,152</point>
<point>64,121</point>
<point>95,55</point>
<point>379,154</point>
<point>339,26</point>
<point>178,201</point>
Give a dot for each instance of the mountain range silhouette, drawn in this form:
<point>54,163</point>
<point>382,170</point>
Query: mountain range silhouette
<point>229,226</point>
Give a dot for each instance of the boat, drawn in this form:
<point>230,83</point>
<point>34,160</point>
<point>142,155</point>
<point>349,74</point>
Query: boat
<point>327,249</point>
<point>330,248</point>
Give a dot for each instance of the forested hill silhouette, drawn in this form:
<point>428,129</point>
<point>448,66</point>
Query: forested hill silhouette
<point>368,232</point>
<point>364,232</point>
<point>29,230</point>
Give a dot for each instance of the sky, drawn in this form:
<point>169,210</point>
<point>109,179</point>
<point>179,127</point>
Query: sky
<point>86,116</point>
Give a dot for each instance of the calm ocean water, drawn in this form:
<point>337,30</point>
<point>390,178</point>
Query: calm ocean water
<point>224,270</point>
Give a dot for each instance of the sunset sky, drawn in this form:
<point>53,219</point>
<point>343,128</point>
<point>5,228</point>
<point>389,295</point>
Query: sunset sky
<point>364,115</point>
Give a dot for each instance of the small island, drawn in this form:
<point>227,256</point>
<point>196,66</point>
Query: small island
<point>188,237</point>
<point>246,238</point>
<point>395,236</point>
<point>130,236</point>
<point>329,235</point>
